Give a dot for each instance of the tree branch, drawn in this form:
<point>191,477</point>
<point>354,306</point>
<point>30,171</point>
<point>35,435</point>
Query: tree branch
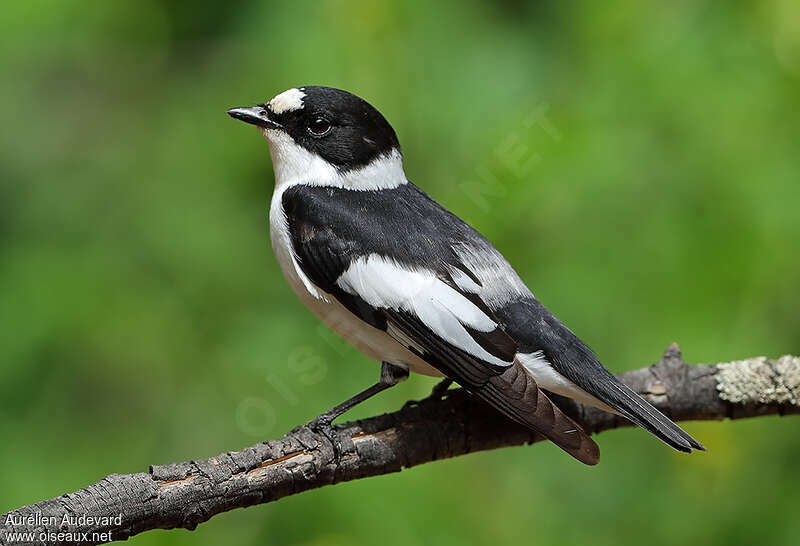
<point>186,494</point>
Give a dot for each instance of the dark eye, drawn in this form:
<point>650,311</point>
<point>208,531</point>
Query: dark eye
<point>319,126</point>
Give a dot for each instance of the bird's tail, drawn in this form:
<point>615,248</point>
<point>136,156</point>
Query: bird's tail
<point>564,361</point>
<point>637,410</point>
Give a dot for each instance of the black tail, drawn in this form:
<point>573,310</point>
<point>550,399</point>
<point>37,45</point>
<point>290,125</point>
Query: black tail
<point>639,411</point>
<point>603,385</point>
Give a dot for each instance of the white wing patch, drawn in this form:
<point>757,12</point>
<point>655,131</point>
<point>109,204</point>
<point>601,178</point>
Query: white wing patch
<point>288,101</point>
<point>381,282</point>
<point>501,283</point>
<point>463,281</point>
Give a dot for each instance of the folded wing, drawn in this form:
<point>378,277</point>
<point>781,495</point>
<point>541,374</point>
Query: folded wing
<point>455,334</point>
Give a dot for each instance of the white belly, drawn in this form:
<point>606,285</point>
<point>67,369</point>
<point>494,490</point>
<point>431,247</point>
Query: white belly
<point>372,342</point>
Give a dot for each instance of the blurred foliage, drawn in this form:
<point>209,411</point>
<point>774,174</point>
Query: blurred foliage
<point>145,319</point>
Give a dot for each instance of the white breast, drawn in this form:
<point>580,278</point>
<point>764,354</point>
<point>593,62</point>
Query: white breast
<point>372,342</point>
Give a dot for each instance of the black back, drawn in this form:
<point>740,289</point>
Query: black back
<point>395,222</point>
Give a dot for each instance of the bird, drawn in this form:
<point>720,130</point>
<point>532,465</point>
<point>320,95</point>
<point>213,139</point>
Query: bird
<point>414,287</point>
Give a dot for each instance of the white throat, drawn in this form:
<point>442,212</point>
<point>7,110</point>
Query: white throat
<point>293,164</point>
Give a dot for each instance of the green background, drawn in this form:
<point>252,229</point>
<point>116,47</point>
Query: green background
<point>145,320</point>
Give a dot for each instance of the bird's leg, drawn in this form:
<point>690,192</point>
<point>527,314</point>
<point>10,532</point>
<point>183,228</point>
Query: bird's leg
<point>390,375</point>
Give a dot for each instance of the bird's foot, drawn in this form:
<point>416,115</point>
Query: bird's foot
<point>438,392</point>
<point>440,389</point>
<point>323,425</point>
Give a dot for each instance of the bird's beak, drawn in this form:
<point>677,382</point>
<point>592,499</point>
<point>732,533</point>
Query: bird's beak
<point>255,115</point>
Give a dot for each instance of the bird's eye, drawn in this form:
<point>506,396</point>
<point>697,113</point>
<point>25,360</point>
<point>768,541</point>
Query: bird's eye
<point>319,126</point>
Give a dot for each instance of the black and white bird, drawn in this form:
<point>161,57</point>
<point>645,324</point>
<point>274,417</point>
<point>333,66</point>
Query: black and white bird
<point>411,285</point>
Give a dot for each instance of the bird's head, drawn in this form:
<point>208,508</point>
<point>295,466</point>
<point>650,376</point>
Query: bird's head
<point>320,135</point>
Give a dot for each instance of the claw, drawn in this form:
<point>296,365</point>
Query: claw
<point>440,389</point>
<point>322,425</point>
<point>438,392</point>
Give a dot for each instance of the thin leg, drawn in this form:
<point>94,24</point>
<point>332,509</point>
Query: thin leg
<point>390,375</point>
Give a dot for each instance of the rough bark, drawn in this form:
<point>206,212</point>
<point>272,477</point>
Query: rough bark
<point>182,495</point>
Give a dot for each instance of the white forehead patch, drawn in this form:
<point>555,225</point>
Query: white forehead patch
<point>288,101</point>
